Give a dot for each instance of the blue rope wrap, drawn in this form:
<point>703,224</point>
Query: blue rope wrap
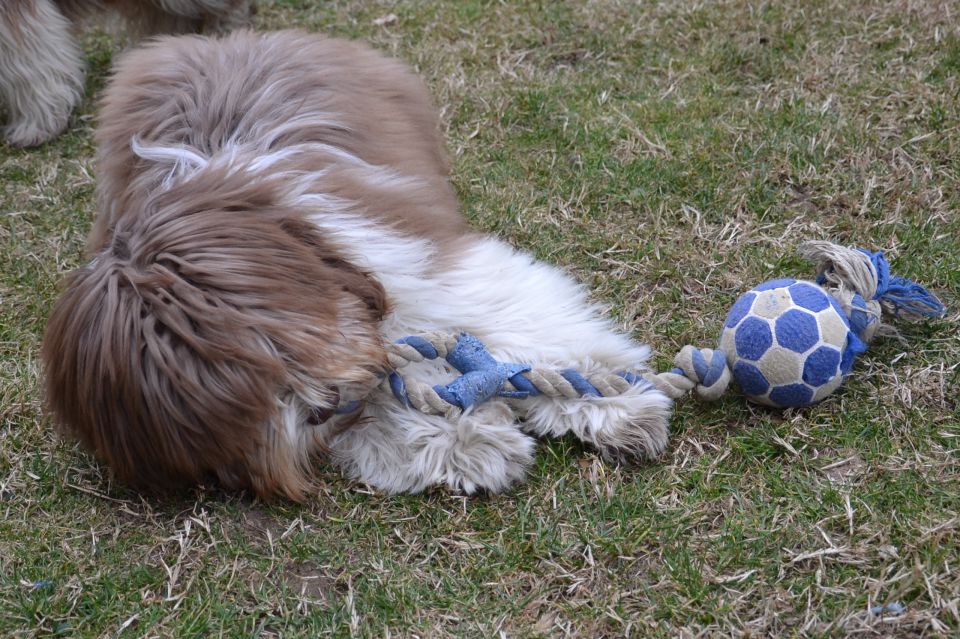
<point>524,386</point>
<point>421,345</point>
<point>708,372</point>
<point>901,293</point>
<point>580,383</point>
<point>701,370</point>
<point>399,388</point>
<point>482,376</point>
<point>633,378</point>
<point>860,316</point>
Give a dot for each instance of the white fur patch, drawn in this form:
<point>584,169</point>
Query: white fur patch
<point>525,311</point>
<point>401,450</point>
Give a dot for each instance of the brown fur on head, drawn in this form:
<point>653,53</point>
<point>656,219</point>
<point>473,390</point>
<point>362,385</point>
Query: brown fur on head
<point>175,353</point>
<point>215,315</point>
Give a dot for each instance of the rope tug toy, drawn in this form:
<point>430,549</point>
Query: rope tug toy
<point>787,343</point>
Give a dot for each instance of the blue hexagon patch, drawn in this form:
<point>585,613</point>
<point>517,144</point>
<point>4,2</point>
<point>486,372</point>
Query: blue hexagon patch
<point>753,338</point>
<point>791,395</point>
<point>797,330</point>
<point>821,365</point>
<point>806,295</point>
<point>751,380</point>
<point>740,309</point>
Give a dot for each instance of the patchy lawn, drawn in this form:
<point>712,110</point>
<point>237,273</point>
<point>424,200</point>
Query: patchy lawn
<point>670,155</point>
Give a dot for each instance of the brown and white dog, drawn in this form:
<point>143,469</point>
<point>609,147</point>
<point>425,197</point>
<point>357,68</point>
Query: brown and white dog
<point>273,209</point>
<point>41,68</point>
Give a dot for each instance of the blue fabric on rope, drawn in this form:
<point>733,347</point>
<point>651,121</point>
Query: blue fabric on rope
<point>483,377</point>
<point>905,295</point>
<point>475,387</point>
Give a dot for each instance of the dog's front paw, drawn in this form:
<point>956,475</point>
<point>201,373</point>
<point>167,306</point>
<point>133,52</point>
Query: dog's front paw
<point>630,426</point>
<point>643,436</point>
<point>486,456</point>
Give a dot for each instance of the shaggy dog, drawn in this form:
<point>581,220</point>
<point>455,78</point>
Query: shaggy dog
<point>41,69</point>
<point>273,209</point>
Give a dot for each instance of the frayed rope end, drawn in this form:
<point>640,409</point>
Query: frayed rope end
<point>844,270</point>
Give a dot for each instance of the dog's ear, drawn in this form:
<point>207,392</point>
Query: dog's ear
<point>171,354</point>
<point>354,280</point>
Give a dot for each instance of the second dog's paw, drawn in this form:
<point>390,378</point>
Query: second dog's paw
<point>27,134</point>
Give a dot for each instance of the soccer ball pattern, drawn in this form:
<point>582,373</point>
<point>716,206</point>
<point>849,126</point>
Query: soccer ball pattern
<point>788,343</point>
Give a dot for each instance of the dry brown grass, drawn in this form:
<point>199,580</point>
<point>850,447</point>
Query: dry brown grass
<point>671,155</point>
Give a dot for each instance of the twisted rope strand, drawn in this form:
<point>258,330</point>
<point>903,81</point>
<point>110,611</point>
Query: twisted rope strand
<point>704,371</point>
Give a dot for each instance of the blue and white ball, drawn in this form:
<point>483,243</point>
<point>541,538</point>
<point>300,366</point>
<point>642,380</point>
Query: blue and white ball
<point>788,343</point>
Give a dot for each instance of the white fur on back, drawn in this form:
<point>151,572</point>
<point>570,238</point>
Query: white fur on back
<point>517,305</point>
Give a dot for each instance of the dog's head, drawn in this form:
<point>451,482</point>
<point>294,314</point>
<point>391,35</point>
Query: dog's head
<point>198,340</point>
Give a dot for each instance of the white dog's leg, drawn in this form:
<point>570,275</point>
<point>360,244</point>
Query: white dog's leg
<point>524,311</point>
<point>530,312</point>
<point>41,72</point>
<point>398,449</point>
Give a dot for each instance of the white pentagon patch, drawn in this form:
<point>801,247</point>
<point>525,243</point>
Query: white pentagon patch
<point>773,303</point>
<point>833,330</point>
<point>727,344</point>
<point>781,366</point>
<point>832,385</point>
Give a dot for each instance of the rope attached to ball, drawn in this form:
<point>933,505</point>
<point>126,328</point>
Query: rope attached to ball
<point>866,290</point>
<point>860,281</point>
<point>483,377</point>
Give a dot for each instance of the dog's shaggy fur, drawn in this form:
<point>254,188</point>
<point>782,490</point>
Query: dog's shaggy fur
<point>41,68</point>
<point>273,209</point>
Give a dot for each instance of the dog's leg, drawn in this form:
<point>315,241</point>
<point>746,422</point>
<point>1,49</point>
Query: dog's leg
<point>530,312</point>
<point>41,71</point>
<point>397,449</point>
<point>524,311</point>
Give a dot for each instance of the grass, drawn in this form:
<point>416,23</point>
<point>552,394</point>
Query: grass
<point>670,155</point>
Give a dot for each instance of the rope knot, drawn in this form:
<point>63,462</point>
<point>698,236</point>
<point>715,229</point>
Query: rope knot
<point>703,370</point>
